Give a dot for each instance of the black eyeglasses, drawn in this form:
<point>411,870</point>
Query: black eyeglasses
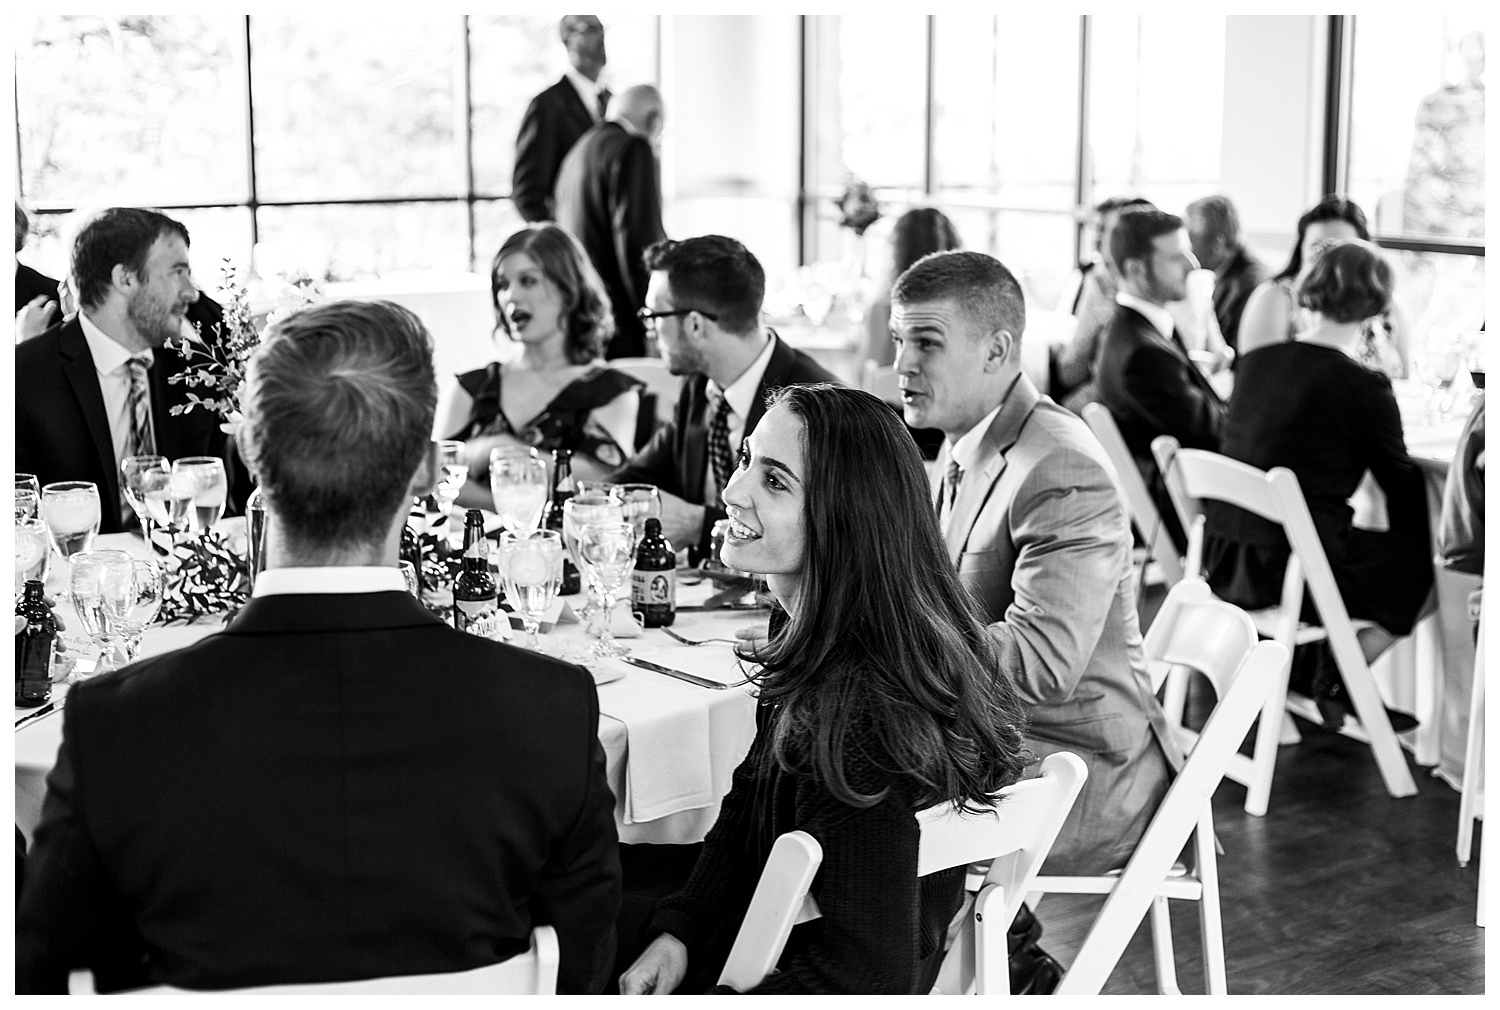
<point>648,317</point>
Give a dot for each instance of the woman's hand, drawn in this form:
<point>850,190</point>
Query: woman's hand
<point>755,637</point>
<point>658,971</point>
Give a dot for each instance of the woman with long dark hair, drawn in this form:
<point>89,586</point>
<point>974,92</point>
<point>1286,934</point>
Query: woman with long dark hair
<point>919,231</point>
<point>879,697</point>
<point>559,393</point>
<point>1272,315</point>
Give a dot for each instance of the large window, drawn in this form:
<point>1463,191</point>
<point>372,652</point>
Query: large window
<point>339,148</point>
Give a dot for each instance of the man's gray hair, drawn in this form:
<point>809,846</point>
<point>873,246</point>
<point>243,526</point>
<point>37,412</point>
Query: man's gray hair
<point>1219,215</point>
<point>338,415</point>
<point>978,284</point>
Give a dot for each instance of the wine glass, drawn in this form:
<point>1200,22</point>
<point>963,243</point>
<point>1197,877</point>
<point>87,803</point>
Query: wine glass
<point>33,552</point>
<point>453,457</point>
<point>519,486</point>
<point>608,548</point>
<point>531,567</point>
<point>588,507</point>
<point>70,509</point>
<point>86,591</point>
<point>642,502</point>
<point>132,591</point>
<point>143,476</point>
<point>28,491</point>
<point>595,487</point>
<point>210,489</point>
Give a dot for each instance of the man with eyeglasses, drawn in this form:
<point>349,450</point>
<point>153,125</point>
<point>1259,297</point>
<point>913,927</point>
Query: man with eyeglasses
<point>703,304</point>
<point>558,116</point>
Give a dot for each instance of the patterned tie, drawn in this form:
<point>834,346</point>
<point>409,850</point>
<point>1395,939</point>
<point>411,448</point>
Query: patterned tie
<point>604,97</point>
<point>950,490</point>
<point>718,440</point>
<point>140,442</point>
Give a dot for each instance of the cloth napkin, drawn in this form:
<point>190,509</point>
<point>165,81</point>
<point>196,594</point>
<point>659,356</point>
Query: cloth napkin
<point>666,731</point>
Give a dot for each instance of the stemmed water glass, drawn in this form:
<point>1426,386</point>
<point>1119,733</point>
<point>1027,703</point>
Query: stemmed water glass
<point>145,476</point>
<point>519,486</point>
<point>608,550</point>
<point>531,567</point>
<point>70,509</point>
<point>86,590</point>
<point>33,552</point>
<point>132,591</point>
<point>642,502</point>
<point>453,471</point>
<point>27,493</point>
<point>588,507</point>
<point>204,477</point>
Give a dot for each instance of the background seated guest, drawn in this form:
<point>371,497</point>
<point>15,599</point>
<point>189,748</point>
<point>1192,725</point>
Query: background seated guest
<point>1146,379</point>
<point>1214,229</point>
<point>93,390</point>
<point>281,802</point>
<point>36,293</point>
<point>1272,315</point>
<point>877,699</point>
<point>704,304</point>
<point>1310,406</point>
<point>919,231</point>
<point>558,394</point>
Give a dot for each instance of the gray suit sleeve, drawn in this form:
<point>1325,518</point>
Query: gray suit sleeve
<point>1072,542</point>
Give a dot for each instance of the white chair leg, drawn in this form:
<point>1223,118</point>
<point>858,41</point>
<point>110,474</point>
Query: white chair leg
<point>1161,943</point>
<point>1267,740</point>
<point>1210,915</point>
<point>991,961</point>
<point>1468,795</point>
<point>1370,710</point>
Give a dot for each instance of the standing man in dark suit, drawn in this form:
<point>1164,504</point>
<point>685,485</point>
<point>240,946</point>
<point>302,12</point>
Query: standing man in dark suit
<point>338,786</point>
<point>704,305</point>
<point>558,116</point>
<point>93,390</point>
<point>1214,229</point>
<point>1146,379</point>
<point>609,196</point>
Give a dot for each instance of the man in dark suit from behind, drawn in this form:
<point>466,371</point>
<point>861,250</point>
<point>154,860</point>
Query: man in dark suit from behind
<point>1146,379</point>
<point>1214,229</point>
<point>339,785</point>
<point>609,196</point>
<point>704,304</point>
<point>558,116</point>
<point>94,389</point>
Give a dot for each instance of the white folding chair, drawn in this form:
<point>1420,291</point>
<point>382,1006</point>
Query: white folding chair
<point>1143,511</point>
<point>661,392</point>
<point>533,973</point>
<point>1195,474</point>
<point>1016,834</point>
<point>1193,631</point>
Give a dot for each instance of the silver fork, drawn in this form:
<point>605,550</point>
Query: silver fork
<point>698,641</point>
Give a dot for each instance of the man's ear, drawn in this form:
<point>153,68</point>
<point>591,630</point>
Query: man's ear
<point>122,277</point>
<point>998,351</point>
<point>425,479</point>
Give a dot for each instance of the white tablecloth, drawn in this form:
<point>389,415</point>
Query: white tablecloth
<point>701,764</point>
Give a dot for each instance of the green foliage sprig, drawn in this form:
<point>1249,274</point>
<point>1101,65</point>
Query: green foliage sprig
<point>206,577</point>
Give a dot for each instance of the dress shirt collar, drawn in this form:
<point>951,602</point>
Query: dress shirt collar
<point>587,90</point>
<point>1158,316</point>
<point>965,452</point>
<point>108,353</point>
<point>741,392</point>
<point>344,579</point>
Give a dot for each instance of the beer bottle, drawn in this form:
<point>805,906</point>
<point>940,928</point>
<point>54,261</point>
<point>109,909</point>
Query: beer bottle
<point>475,595</point>
<point>562,490</point>
<point>411,550</point>
<point>34,648</point>
<point>653,584</point>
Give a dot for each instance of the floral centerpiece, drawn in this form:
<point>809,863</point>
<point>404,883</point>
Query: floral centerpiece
<point>858,208</point>
<point>210,573</point>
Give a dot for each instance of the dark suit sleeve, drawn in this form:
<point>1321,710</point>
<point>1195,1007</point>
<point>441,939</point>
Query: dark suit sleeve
<point>578,892</point>
<point>69,914</point>
<point>656,463</point>
<point>537,158</point>
<point>1169,398</point>
<point>636,216</point>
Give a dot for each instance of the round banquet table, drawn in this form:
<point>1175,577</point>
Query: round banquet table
<point>671,747</point>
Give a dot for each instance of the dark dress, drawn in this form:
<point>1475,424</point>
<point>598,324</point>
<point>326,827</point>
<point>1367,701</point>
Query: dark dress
<point>565,422</point>
<point>882,929</point>
<point>1316,411</point>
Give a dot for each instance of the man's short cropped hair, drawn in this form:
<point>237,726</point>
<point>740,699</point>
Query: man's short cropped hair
<point>977,283</point>
<point>338,415</point>
<point>1135,232</point>
<point>1114,203</point>
<point>1349,282</point>
<point>1219,216</point>
<point>118,235</point>
<point>713,273</point>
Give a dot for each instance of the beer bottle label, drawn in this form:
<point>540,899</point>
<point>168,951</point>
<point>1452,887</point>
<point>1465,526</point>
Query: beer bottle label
<point>653,588</point>
<point>475,616</point>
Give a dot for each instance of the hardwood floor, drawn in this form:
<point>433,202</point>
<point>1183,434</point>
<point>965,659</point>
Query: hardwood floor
<point>1338,889</point>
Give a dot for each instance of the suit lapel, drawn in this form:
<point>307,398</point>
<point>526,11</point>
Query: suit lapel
<point>695,436</point>
<point>163,365</point>
<point>778,370</point>
<point>78,366</point>
<point>979,481</point>
<point>576,107</point>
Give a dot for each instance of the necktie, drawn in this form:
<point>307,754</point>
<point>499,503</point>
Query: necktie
<point>718,440</point>
<point>950,490</point>
<point>604,97</point>
<point>140,442</point>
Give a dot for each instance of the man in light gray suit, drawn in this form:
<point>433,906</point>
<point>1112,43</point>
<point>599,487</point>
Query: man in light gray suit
<point>1041,539</point>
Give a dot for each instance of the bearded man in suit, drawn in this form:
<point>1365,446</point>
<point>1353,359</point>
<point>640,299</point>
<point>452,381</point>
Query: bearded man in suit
<point>1041,540</point>
<point>558,116</point>
<point>339,785</point>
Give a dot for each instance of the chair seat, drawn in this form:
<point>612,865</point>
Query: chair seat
<point>1266,622</point>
